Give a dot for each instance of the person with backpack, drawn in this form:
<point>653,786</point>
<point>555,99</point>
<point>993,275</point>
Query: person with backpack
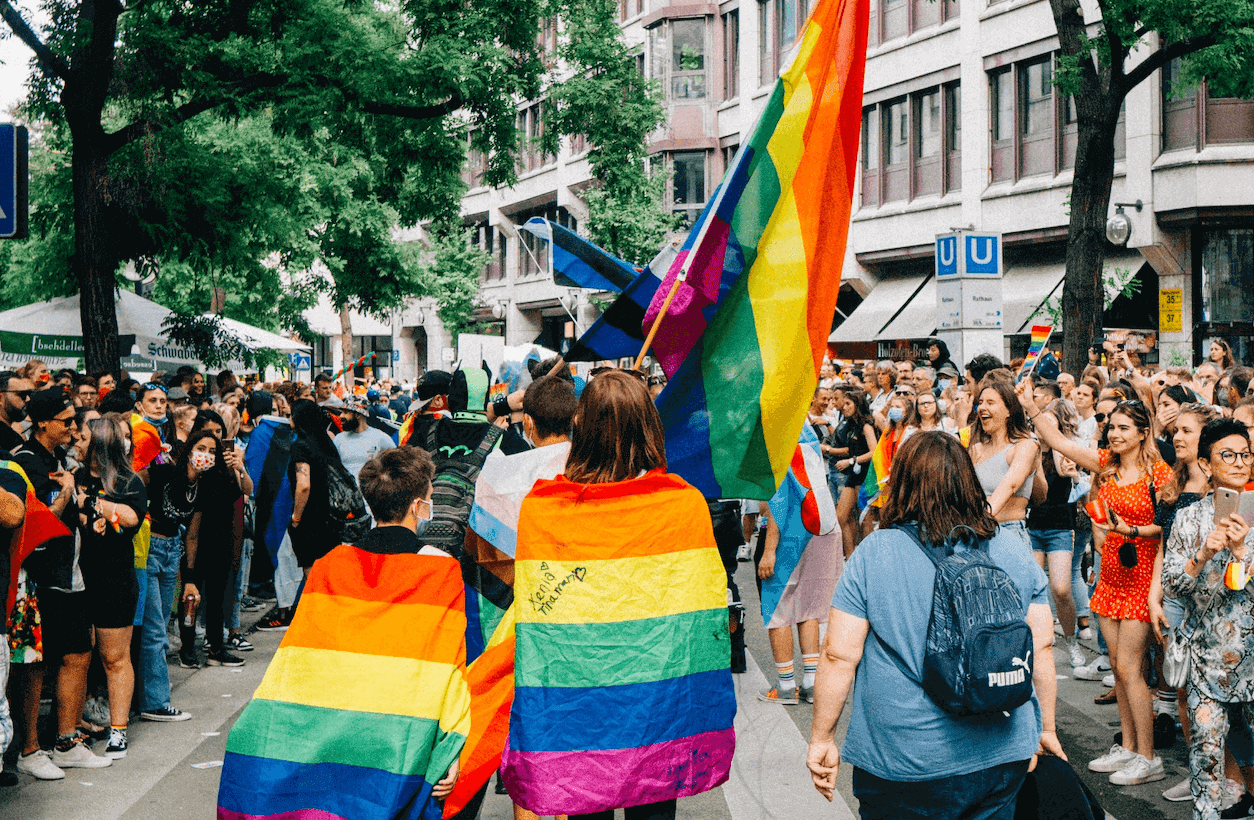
<point>925,739</point>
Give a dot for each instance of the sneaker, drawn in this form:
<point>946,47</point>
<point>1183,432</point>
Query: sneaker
<point>1086,634</point>
<point>116,750</point>
<point>1095,669</point>
<point>787,697</point>
<point>223,658</point>
<point>275,623</point>
<point>744,553</point>
<point>78,756</point>
<point>188,661</point>
<point>1109,680</point>
<point>805,693</point>
<point>1077,654</point>
<point>38,765</point>
<point>165,714</point>
<point>250,604</point>
<point>1139,770</point>
<point>239,643</point>
<point>1180,792</point>
<point>1243,807</point>
<point>1112,761</point>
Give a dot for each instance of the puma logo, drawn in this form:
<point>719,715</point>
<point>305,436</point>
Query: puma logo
<point>1023,662</point>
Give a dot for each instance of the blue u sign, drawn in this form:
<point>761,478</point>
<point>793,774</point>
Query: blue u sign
<point>982,255</point>
<point>946,256</point>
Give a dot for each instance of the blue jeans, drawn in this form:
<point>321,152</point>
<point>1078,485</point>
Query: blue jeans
<point>1080,590</point>
<point>236,586</point>
<point>988,794</point>
<point>163,568</point>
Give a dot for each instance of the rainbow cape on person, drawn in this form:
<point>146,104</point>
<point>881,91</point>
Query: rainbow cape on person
<point>39,529</point>
<point>365,705</point>
<point>744,338</point>
<point>623,693</point>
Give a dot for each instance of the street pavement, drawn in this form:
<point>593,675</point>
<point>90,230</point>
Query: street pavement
<point>170,771</point>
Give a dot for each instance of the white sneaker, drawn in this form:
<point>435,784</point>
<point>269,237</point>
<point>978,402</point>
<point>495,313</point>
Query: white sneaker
<point>78,756</point>
<point>1109,681</point>
<point>1112,761</point>
<point>1166,705</point>
<point>1232,793</point>
<point>1086,634</point>
<point>1077,654</point>
<point>744,552</point>
<point>1138,771</point>
<point>1096,669</point>
<point>38,765</point>
<point>1179,793</point>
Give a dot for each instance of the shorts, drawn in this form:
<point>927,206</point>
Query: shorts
<point>112,598</point>
<point>1174,612</point>
<point>1048,541</point>
<point>66,623</point>
<point>854,480</point>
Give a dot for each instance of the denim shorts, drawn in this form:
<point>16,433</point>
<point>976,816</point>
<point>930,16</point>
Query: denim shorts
<point>1048,541</point>
<point>1174,611</point>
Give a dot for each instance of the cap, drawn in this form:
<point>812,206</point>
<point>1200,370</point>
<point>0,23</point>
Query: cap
<point>177,394</point>
<point>435,383</point>
<point>372,394</point>
<point>357,404</point>
<point>947,370</point>
<point>47,404</point>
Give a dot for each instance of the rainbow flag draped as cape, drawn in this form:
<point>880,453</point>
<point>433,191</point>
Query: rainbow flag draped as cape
<point>808,558</point>
<point>39,527</point>
<point>744,338</point>
<point>365,705</point>
<point>623,694</point>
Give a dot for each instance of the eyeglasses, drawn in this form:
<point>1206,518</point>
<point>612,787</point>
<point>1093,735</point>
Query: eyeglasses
<point>153,386</point>
<point>24,394</point>
<point>1231,456</point>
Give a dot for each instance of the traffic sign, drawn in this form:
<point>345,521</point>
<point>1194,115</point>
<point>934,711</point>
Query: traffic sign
<point>946,256</point>
<point>14,181</point>
<point>300,361</point>
<point>963,254</point>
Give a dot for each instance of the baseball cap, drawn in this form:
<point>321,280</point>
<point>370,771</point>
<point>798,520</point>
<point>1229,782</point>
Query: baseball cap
<point>48,404</point>
<point>357,404</point>
<point>176,394</point>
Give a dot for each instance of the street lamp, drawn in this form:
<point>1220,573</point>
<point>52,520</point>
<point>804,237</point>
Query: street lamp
<point>1119,227</point>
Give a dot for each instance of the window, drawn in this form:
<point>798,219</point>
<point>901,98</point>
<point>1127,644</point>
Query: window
<point>476,164</point>
<point>780,23</point>
<point>729,156</point>
<point>1194,116</point>
<point>531,130</point>
<point>381,346</point>
<point>578,144</point>
<point>678,57</point>
<point>731,54</point>
<point>533,252</point>
<point>766,50</point>
<point>1033,124</point>
<point>688,184</point>
<point>485,239</point>
<point>911,146</point>
<point>891,19</point>
<point>546,40</point>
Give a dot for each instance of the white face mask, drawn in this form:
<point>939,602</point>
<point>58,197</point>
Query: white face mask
<point>202,461</point>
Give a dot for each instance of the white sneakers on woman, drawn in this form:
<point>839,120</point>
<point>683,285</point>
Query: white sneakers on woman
<point>1112,761</point>
<point>1139,770</point>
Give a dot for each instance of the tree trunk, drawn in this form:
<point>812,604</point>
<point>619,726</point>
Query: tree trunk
<point>1083,298</point>
<point>346,347</point>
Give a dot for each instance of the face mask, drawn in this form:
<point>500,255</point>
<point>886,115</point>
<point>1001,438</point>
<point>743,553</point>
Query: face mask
<point>945,384</point>
<point>423,523</point>
<point>202,461</point>
<point>896,414</point>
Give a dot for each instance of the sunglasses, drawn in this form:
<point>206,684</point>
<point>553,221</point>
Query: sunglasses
<point>1100,417</point>
<point>153,386</point>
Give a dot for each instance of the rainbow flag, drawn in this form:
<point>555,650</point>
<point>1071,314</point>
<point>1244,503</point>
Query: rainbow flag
<point>744,338</point>
<point>877,471</point>
<point>1040,338</point>
<point>365,706</point>
<point>623,694</point>
<point>39,529</point>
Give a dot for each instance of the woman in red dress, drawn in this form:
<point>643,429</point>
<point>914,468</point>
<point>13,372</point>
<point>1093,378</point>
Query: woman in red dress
<point>1130,476</point>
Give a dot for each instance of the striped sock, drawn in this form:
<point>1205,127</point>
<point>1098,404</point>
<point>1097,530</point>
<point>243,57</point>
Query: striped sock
<point>786,679</point>
<point>810,665</point>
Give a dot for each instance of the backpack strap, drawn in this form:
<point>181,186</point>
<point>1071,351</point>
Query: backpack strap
<point>913,535</point>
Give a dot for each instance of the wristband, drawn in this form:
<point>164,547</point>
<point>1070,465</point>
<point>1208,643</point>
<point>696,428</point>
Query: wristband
<point>501,407</point>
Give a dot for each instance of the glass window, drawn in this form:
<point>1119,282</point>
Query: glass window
<point>1228,276</point>
<point>689,181</point>
<point>687,59</point>
<point>731,54</point>
<point>1037,93</point>
<point>928,133</point>
<point>1003,106</point>
<point>786,14</point>
<point>766,51</point>
<point>953,126</point>
<point>870,149</point>
<point>896,133</point>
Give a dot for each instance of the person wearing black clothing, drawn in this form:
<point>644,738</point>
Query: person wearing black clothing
<point>16,392</point>
<point>210,556</point>
<point>64,612</point>
<point>12,513</point>
<point>313,453</point>
<point>112,503</point>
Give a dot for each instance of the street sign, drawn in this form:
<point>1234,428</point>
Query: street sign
<point>14,179</point>
<point>396,355</point>
<point>961,255</point>
<point>1171,310</point>
<point>300,361</point>
<point>946,256</point>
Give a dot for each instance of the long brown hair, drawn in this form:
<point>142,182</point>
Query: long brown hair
<point>617,433</point>
<point>933,483</point>
<point>1146,456</point>
<point>1016,421</point>
<point>1204,413</point>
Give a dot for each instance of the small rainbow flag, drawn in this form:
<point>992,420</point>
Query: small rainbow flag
<point>744,338</point>
<point>365,706</point>
<point>1040,338</point>
<point>623,693</point>
<point>877,471</point>
<point>1234,576</point>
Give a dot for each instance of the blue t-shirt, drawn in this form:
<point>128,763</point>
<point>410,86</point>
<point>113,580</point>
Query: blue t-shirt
<point>895,731</point>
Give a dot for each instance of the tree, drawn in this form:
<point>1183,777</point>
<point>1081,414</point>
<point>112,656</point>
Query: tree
<point>1214,38</point>
<point>449,271</point>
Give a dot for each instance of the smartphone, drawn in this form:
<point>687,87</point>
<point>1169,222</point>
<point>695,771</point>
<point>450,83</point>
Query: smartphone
<point>1226,502</point>
<point>1245,506</point>
<point>228,445</point>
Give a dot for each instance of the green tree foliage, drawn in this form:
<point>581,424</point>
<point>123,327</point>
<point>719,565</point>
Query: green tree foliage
<point>1098,66</point>
<point>448,270</point>
<point>631,224</point>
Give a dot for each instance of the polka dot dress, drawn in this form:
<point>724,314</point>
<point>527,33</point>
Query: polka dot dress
<point>1122,592</point>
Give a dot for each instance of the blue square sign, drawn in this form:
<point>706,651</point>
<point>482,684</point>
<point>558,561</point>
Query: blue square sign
<point>13,181</point>
<point>946,256</point>
<point>982,254</point>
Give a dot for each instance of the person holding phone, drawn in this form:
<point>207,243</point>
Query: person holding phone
<point>1128,598</point>
<point>1207,568</point>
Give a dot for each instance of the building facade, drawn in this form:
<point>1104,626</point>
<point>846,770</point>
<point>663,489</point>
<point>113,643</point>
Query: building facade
<point>962,127</point>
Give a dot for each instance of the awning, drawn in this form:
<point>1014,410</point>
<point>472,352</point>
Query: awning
<point>918,320</point>
<point>878,309</point>
<point>1024,289</point>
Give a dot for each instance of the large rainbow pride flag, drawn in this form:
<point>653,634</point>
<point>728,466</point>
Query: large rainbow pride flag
<point>623,692</point>
<point>765,261</point>
<point>365,705</point>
